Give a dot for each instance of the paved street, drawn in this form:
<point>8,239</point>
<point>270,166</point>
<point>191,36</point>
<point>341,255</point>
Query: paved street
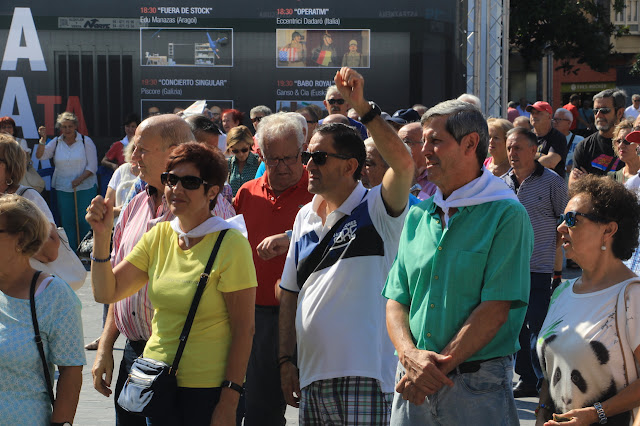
<point>95,409</point>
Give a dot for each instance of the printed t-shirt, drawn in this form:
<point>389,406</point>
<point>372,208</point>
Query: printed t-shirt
<point>595,153</point>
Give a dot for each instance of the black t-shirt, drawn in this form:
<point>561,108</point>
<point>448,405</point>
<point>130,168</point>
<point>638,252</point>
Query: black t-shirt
<point>595,154</point>
<point>556,142</point>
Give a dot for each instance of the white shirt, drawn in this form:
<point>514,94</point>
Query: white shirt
<point>71,162</point>
<point>631,112</point>
<point>340,319</point>
<point>121,182</point>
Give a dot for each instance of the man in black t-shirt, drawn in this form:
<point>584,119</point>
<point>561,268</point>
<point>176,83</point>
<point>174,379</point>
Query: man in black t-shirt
<point>552,145</point>
<point>595,154</point>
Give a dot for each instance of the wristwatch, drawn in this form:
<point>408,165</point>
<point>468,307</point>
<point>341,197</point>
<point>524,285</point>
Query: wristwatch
<point>374,112</point>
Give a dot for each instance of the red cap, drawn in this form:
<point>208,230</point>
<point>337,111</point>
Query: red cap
<point>633,137</point>
<point>540,106</point>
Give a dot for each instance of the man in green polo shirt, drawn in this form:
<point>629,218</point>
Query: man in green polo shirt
<point>459,287</point>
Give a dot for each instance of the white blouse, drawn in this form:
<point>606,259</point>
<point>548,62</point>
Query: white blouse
<point>71,162</point>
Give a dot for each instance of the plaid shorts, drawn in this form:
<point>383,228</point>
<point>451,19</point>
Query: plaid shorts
<point>347,401</point>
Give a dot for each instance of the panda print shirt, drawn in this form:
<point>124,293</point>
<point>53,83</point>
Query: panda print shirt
<point>579,349</point>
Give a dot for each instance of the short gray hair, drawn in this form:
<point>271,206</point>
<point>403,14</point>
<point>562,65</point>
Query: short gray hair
<point>531,137</point>
<point>472,99</point>
<point>635,97</point>
<point>279,124</point>
<point>260,109</point>
<point>619,97</point>
<point>462,119</point>
<point>331,90</point>
<point>369,143</point>
<point>66,116</point>
<point>565,113</point>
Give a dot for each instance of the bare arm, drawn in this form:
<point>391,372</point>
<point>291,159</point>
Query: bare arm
<point>108,163</point>
<point>102,370</point>
<point>111,195</point>
<point>398,178</point>
<point>67,393</point>
<point>272,246</point>
<point>77,181</point>
<point>550,160</point>
<point>287,327</point>
<point>241,307</point>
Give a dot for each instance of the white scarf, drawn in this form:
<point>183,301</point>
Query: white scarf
<point>483,189</point>
<point>209,226</point>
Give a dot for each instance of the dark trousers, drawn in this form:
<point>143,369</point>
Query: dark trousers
<point>265,401</point>
<point>195,407</point>
<point>527,363</point>
<point>132,350</point>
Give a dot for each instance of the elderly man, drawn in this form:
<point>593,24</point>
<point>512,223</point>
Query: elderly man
<point>344,357</point>
<point>459,287</point>
<point>522,121</point>
<point>411,135</point>
<point>154,139</point>
<point>633,111</point>
<point>595,153</point>
<point>562,122</point>
<point>269,205</point>
<point>544,195</point>
<point>257,113</point>
<point>336,104</point>
<point>552,146</point>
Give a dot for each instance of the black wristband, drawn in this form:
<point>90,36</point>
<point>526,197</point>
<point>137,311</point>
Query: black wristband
<point>236,387</point>
<point>284,359</point>
<point>373,113</point>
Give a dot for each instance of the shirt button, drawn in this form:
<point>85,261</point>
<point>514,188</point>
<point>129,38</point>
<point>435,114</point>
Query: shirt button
<point>439,248</point>
<point>432,305</point>
<point>435,277</point>
<point>428,334</point>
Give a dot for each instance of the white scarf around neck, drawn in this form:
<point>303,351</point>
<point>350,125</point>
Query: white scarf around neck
<point>209,226</point>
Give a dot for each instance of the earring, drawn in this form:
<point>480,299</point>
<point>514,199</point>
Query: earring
<point>9,182</point>
<point>603,247</point>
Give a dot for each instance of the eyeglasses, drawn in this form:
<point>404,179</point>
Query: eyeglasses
<point>243,150</point>
<point>602,110</point>
<point>288,161</point>
<point>320,157</point>
<point>256,119</point>
<point>560,119</point>
<point>570,218</point>
<point>622,141</point>
<point>188,182</point>
<point>335,101</point>
<point>311,122</point>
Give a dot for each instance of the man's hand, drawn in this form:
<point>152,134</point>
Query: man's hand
<point>102,370</point>
<point>425,369</point>
<point>273,246</point>
<point>290,384</point>
<point>350,84</point>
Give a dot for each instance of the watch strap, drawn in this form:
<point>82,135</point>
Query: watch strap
<point>374,112</point>
<point>236,387</point>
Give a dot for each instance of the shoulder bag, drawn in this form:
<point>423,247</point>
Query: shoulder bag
<point>630,370</point>
<point>151,388</point>
<point>38,339</point>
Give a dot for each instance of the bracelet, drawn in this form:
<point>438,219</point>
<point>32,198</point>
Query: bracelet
<point>601,415</point>
<point>541,407</point>
<point>236,387</point>
<point>99,260</point>
<point>284,359</point>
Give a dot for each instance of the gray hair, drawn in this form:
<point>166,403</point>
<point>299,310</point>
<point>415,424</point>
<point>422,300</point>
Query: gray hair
<point>279,124</point>
<point>565,113</point>
<point>635,97</point>
<point>531,137</point>
<point>472,99</point>
<point>303,122</point>
<point>619,97</point>
<point>66,116</point>
<point>462,119</point>
<point>369,143</point>
<point>260,109</point>
<point>331,90</point>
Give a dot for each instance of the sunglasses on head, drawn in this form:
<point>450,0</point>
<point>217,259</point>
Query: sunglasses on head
<point>320,157</point>
<point>188,182</point>
<point>335,101</point>
<point>602,110</point>
<point>570,218</point>
<point>237,151</point>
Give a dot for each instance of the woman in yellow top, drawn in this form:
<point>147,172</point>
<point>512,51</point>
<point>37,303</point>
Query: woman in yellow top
<point>171,257</point>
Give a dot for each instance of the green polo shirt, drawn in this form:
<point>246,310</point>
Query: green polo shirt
<point>443,275</point>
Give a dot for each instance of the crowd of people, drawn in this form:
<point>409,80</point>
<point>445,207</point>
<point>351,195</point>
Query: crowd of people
<point>367,268</point>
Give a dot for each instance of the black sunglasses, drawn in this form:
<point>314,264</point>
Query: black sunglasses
<point>188,182</point>
<point>320,157</point>
<point>243,150</point>
<point>335,101</point>
<point>256,119</point>
<point>570,218</point>
<point>622,141</point>
<point>602,110</point>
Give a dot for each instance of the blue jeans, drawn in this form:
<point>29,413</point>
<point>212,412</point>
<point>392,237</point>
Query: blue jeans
<point>132,350</point>
<point>480,398</point>
<point>527,363</point>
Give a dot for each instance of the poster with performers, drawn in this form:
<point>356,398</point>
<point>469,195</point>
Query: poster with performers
<point>334,48</point>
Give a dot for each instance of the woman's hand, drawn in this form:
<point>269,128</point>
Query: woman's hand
<point>100,215</point>
<point>42,131</point>
<point>581,416</point>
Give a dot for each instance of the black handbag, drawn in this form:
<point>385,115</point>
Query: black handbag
<point>151,388</point>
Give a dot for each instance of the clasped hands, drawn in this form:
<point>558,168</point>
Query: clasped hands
<point>426,374</point>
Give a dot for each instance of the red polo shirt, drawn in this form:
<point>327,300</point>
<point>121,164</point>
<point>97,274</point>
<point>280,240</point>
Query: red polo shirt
<point>267,214</point>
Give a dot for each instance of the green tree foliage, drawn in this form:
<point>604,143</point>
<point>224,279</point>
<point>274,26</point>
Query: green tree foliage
<point>571,29</point>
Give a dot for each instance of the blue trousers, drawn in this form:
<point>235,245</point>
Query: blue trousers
<point>68,215</point>
<point>527,363</point>
<point>132,350</point>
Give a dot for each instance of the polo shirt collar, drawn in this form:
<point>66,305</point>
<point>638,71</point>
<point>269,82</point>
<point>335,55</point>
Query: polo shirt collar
<point>302,183</point>
<point>352,201</point>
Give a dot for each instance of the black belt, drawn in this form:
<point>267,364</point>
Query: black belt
<point>472,366</point>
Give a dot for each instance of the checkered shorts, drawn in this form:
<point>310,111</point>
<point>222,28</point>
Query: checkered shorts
<point>347,401</point>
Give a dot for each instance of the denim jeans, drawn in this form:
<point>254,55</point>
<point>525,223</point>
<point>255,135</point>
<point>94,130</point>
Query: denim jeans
<point>527,363</point>
<point>481,398</point>
<point>132,350</point>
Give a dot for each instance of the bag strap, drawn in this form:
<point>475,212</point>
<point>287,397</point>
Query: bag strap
<point>628,360</point>
<point>204,277</point>
<point>613,160</point>
<point>38,339</point>
<point>23,190</point>
<point>573,136</point>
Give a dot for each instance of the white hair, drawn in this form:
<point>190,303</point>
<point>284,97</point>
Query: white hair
<point>565,113</point>
<point>278,124</point>
<point>471,99</point>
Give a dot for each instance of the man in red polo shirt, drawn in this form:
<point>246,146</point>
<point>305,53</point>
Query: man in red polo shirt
<point>572,106</point>
<point>269,205</point>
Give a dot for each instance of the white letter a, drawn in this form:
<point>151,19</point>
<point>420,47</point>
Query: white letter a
<point>22,22</point>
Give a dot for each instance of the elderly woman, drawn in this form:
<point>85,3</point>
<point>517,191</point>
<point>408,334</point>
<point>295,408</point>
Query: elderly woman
<point>626,151</point>
<point>243,164</point>
<point>12,170</point>
<point>24,398</point>
<point>498,163</point>
<point>171,257</point>
<point>589,343</point>
<point>74,178</point>
<point>231,118</point>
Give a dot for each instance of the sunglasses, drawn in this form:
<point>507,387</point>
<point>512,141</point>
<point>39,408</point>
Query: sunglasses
<point>335,101</point>
<point>256,119</point>
<point>570,218</point>
<point>320,157</point>
<point>622,141</point>
<point>188,182</point>
<point>602,110</point>
<point>243,150</point>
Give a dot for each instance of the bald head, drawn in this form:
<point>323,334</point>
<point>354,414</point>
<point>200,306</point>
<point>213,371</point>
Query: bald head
<point>411,135</point>
<point>336,118</point>
<point>169,129</point>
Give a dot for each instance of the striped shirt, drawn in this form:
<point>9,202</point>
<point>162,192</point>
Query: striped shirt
<point>133,314</point>
<point>544,195</point>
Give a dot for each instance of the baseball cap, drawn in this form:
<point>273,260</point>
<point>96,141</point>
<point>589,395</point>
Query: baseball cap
<point>633,137</point>
<point>540,106</point>
<point>404,116</point>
